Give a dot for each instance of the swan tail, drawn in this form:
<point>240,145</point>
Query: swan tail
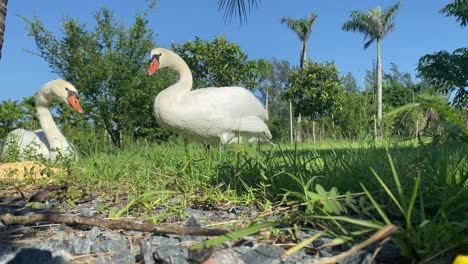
<point>253,125</point>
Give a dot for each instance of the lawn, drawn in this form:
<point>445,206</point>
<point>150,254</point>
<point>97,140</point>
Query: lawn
<point>347,189</point>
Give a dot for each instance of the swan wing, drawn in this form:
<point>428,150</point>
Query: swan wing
<point>26,143</point>
<point>235,102</point>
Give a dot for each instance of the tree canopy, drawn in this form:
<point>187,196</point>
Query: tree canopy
<point>217,63</point>
<point>315,89</point>
<point>107,65</point>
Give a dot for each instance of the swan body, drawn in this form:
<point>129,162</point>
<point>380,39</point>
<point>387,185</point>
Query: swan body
<point>47,142</point>
<point>210,115</point>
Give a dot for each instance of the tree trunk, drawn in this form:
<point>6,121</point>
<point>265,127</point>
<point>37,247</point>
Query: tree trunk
<point>291,122</point>
<point>266,100</point>
<point>303,53</point>
<point>3,13</point>
<point>379,91</point>
<point>299,128</point>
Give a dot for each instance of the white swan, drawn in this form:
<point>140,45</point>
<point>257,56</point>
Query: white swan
<point>210,115</point>
<point>48,141</point>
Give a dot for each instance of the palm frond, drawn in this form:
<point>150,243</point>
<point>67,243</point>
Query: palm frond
<point>369,42</point>
<point>388,16</point>
<point>375,24</point>
<point>237,8</point>
<point>302,27</point>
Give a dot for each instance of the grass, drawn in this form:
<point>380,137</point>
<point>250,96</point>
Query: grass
<point>345,189</point>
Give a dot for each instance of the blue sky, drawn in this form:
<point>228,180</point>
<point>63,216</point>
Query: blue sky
<point>420,29</point>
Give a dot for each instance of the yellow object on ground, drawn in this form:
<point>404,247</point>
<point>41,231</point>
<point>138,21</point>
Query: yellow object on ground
<point>18,171</point>
<point>460,259</point>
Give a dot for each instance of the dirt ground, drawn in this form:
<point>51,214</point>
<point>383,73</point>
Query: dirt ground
<point>19,171</point>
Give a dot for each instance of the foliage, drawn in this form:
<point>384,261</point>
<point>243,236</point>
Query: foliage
<point>11,112</point>
<point>459,9</point>
<point>278,109</point>
<point>217,63</point>
<point>398,87</point>
<point>315,89</point>
<point>447,72</point>
<point>349,83</point>
<point>107,65</point>
<point>354,119</point>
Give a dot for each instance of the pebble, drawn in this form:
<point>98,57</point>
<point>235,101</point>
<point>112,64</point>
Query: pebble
<point>262,254</point>
<point>165,253</point>
<point>174,248</point>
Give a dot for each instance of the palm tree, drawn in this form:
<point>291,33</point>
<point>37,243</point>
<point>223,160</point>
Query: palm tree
<point>302,27</point>
<point>3,12</point>
<point>375,25</point>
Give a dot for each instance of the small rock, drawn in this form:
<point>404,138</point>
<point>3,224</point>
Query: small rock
<point>124,256</point>
<point>81,246</point>
<point>146,251</point>
<point>242,249</point>
<point>199,255</point>
<point>164,240</point>
<point>165,253</point>
<point>59,244</point>
<point>262,254</point>
<point>359,257</point>
<point>192,222</point>
<point>103,260</point>
<point>225,257</point>
<point>87,212</point>
<point>93,233</point>
<point>113,244</point>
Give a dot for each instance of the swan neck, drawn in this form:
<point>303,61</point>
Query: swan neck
<point>54,136</point>
<point>185,81</point>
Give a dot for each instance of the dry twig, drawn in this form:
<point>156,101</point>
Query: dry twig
<point>10,219</point>
<point>379,235</point>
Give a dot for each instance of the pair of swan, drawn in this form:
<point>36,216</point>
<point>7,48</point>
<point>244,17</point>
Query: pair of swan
<point>210,115</point>
<point>47,142</point>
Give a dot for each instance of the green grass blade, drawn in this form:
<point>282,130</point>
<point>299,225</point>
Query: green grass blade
<point>376,205</point>
<point>389,192</point>
<point>359,222</point>
<point>396,178</point>
<point>302,244</point>
<point>233,235</point>
<point>412,202</point>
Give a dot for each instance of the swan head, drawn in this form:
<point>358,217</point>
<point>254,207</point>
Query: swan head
<point>62,89</point>
<point>158,59</point>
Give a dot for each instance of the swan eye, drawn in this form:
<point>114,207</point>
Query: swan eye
<point>155,56</point>
<point>66,88</point>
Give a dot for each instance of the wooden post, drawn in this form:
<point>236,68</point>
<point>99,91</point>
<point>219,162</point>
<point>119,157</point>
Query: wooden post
<point>375,127</point>
<point>313,131</point>
<point>417,129</point>
<point>291,122</point>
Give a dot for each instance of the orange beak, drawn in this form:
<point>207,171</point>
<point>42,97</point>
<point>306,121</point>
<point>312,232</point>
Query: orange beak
<point>154,65</point>
<point>75,103</point>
